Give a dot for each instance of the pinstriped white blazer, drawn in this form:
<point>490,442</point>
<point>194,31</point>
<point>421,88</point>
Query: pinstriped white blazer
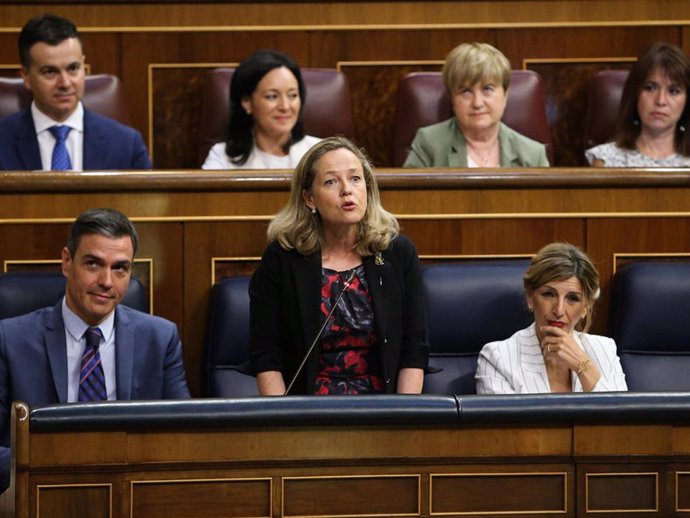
<point>516,365</point>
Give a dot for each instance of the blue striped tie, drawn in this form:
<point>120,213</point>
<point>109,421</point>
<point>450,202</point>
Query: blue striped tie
<point>91,377</point>
<point>60,160</point>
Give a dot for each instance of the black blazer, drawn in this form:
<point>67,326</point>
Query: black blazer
<point>285,314</point>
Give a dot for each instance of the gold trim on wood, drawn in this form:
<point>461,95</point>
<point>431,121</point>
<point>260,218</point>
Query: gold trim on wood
<point>678,509</point>
<point>343,477</point>
<point>373,26</point>
<point>623,474</point>
<point>54,486</point>
<point>475,256</point>
<point>564,474</point>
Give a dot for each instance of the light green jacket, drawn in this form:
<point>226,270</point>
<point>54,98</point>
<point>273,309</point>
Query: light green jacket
<point>443,145</point>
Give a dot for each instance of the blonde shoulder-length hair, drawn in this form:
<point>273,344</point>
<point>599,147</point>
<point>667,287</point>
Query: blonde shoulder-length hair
<point>295,227</point>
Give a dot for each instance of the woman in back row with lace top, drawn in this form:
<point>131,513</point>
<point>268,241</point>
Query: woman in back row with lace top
<point>654,115</point>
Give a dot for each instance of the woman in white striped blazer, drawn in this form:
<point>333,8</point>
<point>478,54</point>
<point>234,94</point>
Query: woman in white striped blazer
<point>555,353</point>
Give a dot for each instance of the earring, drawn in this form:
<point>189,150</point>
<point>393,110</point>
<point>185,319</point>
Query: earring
<point>636,121</point>
<point>681,128</point>
<point>531,310</point>
<point>313,211</point>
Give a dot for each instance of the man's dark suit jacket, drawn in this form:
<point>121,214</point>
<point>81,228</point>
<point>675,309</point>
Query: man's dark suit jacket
<point>33,363</point>
<point>285,314</point>
<point>107,144</point>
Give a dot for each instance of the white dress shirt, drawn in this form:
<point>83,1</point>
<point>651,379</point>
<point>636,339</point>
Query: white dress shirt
<point>46,141</point>
<point>218,159</point>
<point>516,365</point>
<point>75,328</point>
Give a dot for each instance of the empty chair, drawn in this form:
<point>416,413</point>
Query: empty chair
<point>469,305</point>
<point>24,292</point>
<point>650,303</point>
<point>326,112</point>
<point>605,92</point>
<point>226,357</point>
<point>423,100</point>
<point>102,94</point>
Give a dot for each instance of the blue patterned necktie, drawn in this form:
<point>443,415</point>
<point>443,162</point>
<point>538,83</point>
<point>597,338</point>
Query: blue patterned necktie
<point>60,160</point>
<point>91,377</point>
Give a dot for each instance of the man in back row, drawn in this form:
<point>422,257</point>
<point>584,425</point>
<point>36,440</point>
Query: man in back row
<point>57,132</point>
<point>87,347</point>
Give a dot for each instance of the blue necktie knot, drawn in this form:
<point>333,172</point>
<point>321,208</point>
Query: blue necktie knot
<point>60,160</point>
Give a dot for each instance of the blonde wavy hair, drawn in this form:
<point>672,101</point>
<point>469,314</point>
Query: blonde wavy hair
<point>295,227</point>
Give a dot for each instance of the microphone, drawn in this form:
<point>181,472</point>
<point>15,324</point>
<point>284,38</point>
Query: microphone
<point>346,285</point>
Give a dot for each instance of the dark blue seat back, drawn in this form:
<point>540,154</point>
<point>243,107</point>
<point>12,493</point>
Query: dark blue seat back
<point>24,292</point>
<point>469,305</point>
<point>650,311</point>
<point>226,362</point>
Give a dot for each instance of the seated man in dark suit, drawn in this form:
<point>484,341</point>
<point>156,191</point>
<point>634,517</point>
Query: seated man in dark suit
<point>56,132</point>
<point>87,347</point>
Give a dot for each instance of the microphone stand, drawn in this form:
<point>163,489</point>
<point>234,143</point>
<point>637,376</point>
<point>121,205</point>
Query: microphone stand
<point>346,285</point>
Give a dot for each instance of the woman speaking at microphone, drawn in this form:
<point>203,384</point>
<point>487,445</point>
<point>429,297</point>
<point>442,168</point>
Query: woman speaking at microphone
<point>338,276</point>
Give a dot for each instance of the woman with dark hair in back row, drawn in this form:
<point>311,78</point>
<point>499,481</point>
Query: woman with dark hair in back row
<point>654,115</point>
<point>265,129</point>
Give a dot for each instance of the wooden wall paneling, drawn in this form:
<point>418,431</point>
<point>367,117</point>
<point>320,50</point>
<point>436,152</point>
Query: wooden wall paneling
<point>164,244</point>
<point>205,241</point>
<point>225,497</point>
<point>9,55</point>
<point>471,12</point>
<point>491,236</point>
<point>75,501</point>
<point>103,51</point>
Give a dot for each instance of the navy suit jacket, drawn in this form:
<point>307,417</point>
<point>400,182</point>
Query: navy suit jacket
<point>107,144</point>
<point>33,363</point>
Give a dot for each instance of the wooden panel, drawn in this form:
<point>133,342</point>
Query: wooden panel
<point>351,496</point>
<point>471,12</point>
<point>190,498</point>
<point>78,501</point>
<point>622,492</point>
<point>682,491</point>
<point>499,493</point>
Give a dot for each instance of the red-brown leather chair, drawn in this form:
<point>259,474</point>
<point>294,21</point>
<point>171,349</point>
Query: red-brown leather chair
<point>605,92</point>
<point>423,100</point>
<point>102,94</point>
<point>327,110</point>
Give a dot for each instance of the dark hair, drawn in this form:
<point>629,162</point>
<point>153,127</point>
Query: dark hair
<point>104,222</point>
<point>48,28</point>
<point>240,138</point>
<point>674,63</point>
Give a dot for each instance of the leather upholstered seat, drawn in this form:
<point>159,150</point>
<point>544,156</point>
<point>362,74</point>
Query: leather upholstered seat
<point>103,94</point>
<point>226,357</point>
<point>469,305</point>
<point>605,92</point>
<point>326,112</point>
<point>650,305</point>
<point>423,100</point>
